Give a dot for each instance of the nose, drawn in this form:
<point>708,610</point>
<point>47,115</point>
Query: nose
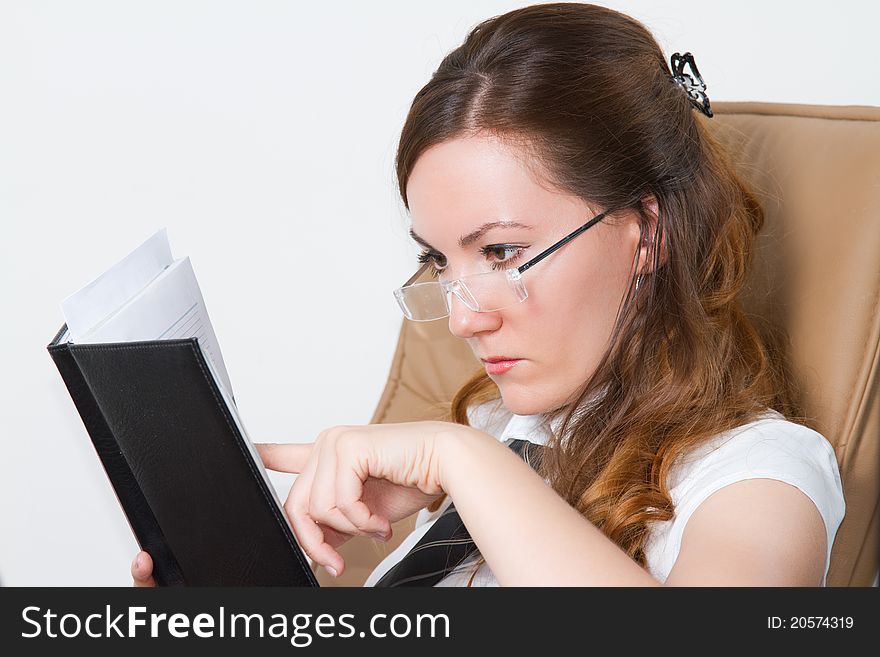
<point>465,323</point>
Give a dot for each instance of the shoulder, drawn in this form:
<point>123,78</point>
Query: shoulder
<point>770,448</point>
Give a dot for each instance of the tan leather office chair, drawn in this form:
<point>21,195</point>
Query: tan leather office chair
<point>816,276</point>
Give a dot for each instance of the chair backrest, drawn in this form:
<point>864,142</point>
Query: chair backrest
<point>815,278</point>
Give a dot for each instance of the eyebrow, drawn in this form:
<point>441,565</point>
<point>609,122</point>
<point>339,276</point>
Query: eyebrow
<point>466,240</point>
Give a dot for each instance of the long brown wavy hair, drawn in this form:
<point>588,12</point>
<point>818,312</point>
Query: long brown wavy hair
<point>586,93</point>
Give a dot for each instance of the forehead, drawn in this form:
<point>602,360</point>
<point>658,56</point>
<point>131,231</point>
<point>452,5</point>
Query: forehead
<point>462,183</point>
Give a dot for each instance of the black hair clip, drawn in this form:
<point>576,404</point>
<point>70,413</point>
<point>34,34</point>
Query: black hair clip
<point>692,83</point>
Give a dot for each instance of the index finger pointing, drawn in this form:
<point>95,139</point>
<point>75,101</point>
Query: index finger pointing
<point>285,457</point>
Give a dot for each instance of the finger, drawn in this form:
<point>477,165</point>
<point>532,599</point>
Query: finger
<point>284,457</point>
<point>333,537</point>
<point>142,570</point>
<point>308,532</point>
<point>322,495</point>
<point>349,489</point>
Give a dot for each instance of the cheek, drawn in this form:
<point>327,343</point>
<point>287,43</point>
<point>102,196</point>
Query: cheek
<point>573,309</point>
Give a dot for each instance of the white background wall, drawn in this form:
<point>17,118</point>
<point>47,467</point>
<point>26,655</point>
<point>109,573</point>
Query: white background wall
<point>262,134</point>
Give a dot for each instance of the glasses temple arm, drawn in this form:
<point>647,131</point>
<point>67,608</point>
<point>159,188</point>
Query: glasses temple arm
<point>565,240</point>
<point>418,273</point>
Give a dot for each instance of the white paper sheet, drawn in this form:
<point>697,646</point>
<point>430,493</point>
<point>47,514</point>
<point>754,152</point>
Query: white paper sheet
<point>94,302</point>
<point>150,296</point>
<point>145,296</point>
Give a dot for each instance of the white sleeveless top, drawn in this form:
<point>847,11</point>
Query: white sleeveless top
<point>770,447</point>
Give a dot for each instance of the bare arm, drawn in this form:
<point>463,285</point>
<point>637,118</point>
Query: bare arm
<point>755,532</point>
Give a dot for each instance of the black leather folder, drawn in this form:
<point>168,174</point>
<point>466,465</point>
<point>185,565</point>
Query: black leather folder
<point>193,494</point>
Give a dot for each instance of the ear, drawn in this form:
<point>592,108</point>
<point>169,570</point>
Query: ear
<point>646,264</point>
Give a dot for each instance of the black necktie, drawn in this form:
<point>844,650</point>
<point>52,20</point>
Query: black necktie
<point>447,543</point>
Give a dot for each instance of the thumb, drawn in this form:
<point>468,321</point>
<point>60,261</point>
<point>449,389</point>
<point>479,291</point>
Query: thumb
<point>285,457</point>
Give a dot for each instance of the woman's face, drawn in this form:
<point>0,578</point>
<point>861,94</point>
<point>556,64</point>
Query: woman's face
<point>559,333</point>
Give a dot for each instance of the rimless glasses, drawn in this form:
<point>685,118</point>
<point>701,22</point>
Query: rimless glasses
<point>482,293</point>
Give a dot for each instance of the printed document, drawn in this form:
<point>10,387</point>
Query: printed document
<point>148,295</point>
<point>145,296</point>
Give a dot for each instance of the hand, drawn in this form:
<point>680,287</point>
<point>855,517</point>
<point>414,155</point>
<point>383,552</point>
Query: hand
<point>142,570</point>
<point>357,480</point>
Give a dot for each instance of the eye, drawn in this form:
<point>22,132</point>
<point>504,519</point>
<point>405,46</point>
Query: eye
<point>505,254</point>
<point>436,260</point>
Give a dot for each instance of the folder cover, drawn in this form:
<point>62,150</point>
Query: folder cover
<point>179,465</point>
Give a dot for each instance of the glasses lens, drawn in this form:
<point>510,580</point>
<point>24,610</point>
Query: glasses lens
<point>422,302</point>
<point>495,290</point>
<point>487,292</point>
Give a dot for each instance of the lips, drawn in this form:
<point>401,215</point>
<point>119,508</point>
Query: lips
<point>497,359</point>
<point>499,364</point>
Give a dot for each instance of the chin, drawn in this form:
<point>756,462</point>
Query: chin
<point>519,402</point>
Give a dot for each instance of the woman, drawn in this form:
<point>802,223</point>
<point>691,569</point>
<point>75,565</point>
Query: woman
<point>557,137</point>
